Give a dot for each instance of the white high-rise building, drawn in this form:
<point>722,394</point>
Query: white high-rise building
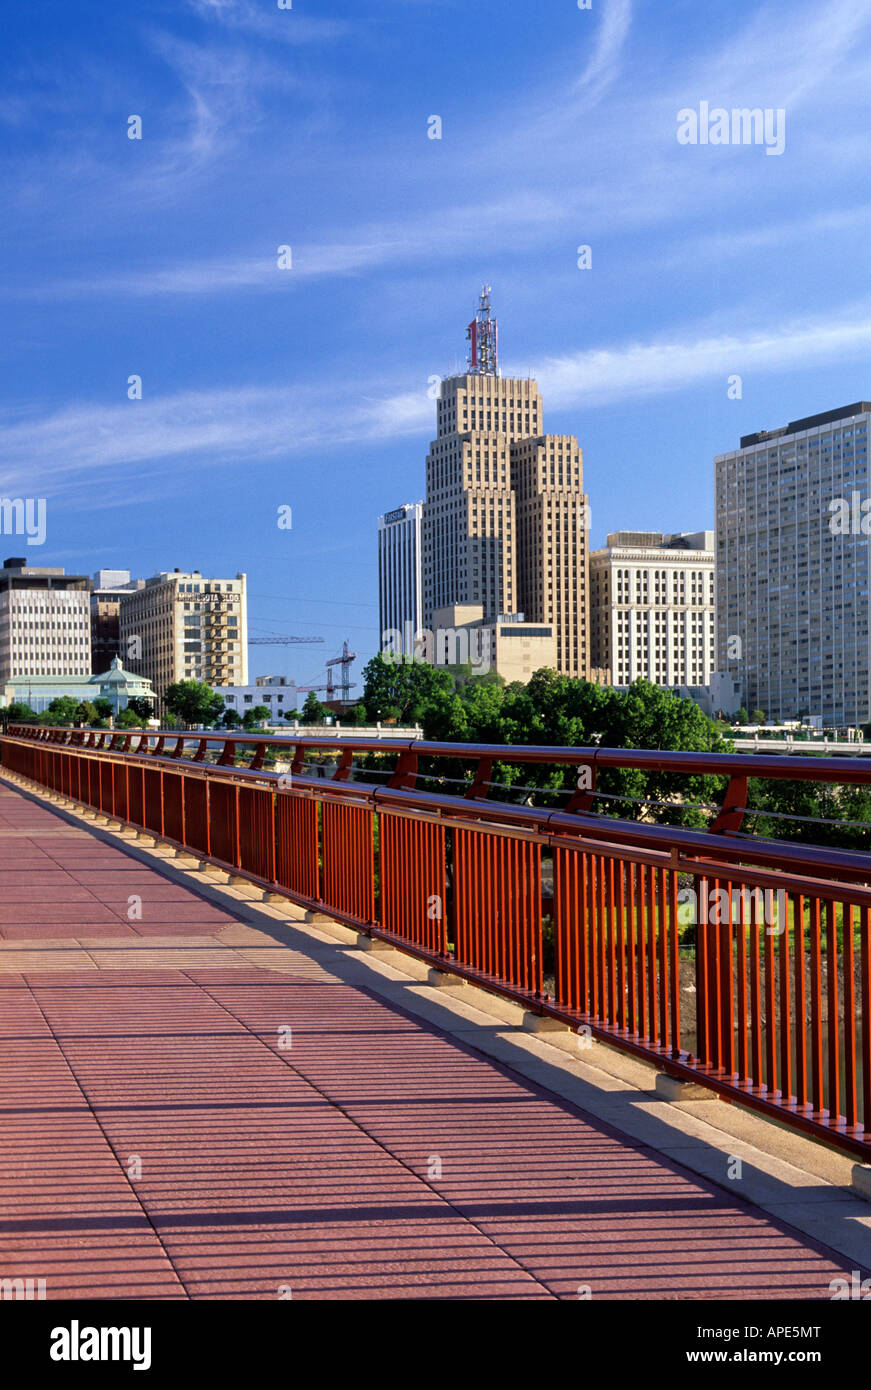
<point>45,621</point>
<point>652,608</point>
<point>793,555</point>
<point>399,576</point>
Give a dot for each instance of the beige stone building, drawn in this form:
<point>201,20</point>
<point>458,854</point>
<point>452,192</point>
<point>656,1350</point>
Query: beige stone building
<point>510,645</point>
<point>183,626</point>
<point>652,608</point>
<point>505,514</point>
<point>552,521</point>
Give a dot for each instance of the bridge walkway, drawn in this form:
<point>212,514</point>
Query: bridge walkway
<point>195,1108</point>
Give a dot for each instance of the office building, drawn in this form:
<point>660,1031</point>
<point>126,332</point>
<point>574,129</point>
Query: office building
<point>652,608</point>
<point>400,596</point>
<point>504,521</point>
<point>109,586</point>
<point>793,516</point>
<point>45,627</point>
<point>183,626</point>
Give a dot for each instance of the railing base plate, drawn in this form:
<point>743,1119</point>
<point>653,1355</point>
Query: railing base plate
<point>673,1088</point>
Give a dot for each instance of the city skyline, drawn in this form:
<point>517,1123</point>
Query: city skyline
<point>158,258</point>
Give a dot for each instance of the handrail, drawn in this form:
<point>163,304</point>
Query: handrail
<point>477,886</point>
<point>829,770</point>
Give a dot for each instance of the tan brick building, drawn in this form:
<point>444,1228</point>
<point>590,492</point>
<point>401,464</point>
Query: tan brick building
<point>186,627</point>
<point>504,522</point>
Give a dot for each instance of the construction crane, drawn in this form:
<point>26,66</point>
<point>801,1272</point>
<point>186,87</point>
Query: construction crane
<point>345,685</point>
<point>279,641</point>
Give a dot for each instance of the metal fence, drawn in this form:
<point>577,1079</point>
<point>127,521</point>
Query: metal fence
<point>734,961</point>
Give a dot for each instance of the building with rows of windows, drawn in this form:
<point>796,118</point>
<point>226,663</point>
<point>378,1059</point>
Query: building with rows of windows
<point>45,621</point>
<point>653,608</point>
<point>793,518</point>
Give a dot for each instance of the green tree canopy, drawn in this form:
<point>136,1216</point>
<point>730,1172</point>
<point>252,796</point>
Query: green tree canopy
<point>141,706</point>
<point>312,711</point>
<point>17,712</point>
<point>86,714</point>
<point>129,719</point>
<point>256,715</point>
<point>194,703</point>
<point>62,710</point>
<point>405,690</point>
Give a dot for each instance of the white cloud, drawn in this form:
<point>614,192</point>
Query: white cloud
<point>675,364</point>
<point>604,66</point>
<point>68,450</point>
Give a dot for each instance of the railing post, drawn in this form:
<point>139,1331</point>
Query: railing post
<point>731,813</point>
<point>404,775</point>
<point>479,788</point>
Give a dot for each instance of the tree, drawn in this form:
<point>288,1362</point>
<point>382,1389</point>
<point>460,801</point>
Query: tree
<point>129,719</point>
<point>231,718</point>
<point>194,703</point>
<point>86,714</point>
<point>312,711</point>
<point>256,715</point>
<point>18,713</point>
<point>141,706</point>
<point>759,716</point>
<point>742,717</point>
<point>405,690</point>
<point>104,707</point>
<point>62,710</point>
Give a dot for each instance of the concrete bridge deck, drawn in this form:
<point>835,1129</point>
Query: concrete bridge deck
<point>203,1099</point>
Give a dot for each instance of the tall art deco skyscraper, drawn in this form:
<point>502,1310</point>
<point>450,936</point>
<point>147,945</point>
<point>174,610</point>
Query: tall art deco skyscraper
<point>505,518</point>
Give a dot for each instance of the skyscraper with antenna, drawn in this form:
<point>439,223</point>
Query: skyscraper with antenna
<point>505,517</point>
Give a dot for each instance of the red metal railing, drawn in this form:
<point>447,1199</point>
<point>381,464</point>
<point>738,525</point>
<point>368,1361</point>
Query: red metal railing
<point>764,996</point>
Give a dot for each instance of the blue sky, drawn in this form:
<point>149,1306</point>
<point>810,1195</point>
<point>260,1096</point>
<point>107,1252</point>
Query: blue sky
<point>307,387</point>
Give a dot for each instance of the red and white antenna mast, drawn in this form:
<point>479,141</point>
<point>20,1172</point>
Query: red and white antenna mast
<point>483,336</point>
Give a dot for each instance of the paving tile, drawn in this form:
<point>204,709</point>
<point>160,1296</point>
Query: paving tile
<point>188,1115</point>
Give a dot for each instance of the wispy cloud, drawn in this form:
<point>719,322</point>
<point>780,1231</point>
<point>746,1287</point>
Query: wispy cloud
<point>279,25</point>
<point>680,362</point>
<point>604,65</point>
<point>67,450</point>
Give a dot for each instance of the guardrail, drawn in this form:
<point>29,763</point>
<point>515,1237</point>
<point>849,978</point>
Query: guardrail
<point>734,961</point>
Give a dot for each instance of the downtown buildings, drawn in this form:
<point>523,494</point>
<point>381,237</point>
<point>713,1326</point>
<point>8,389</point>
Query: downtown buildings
<point>793,556</point>
<point>503,531</point>
<point>134,635</point>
